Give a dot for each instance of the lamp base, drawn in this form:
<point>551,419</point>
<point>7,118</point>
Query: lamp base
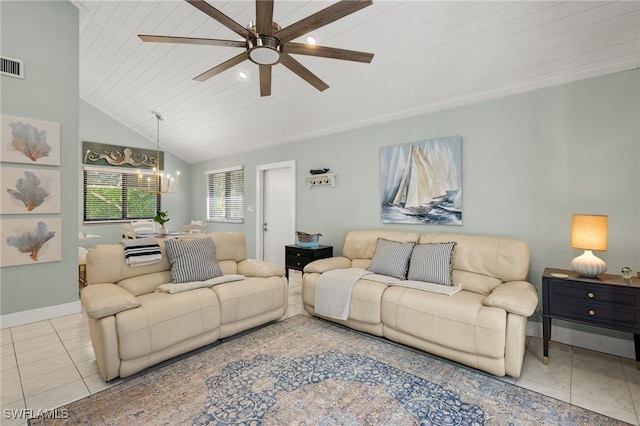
<point>589,265</point>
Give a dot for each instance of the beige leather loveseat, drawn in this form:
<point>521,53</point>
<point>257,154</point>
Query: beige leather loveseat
<point>133,325</point>
<point>482,326</point>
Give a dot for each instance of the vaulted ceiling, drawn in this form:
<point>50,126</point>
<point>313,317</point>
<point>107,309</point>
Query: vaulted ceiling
<point>429,55</point>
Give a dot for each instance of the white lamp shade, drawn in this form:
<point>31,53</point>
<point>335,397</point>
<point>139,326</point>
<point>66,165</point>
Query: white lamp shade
<point>589,232</point>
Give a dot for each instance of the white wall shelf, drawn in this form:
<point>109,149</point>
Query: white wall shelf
<point>319,180</point>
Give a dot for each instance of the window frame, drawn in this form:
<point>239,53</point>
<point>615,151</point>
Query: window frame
<point>231,203</point>
<point>130,174</point>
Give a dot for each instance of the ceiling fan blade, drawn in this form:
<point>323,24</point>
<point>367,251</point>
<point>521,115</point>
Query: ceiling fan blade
<point>193,40</point>
<point>321,18</point>
<point>222,67</point>
<point>327,52</point>
<point>220,17</point>
<point>265,80</point>
<point>264,17</point>
<point>303,72</point>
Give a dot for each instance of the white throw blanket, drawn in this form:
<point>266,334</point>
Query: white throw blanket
<point>142,251</point>
<point>333,291</point>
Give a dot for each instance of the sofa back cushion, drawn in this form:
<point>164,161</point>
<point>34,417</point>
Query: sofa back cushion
<point>106,264</point>
<point>229,245</point>
<point>362,244</point>
<point>495,259</point>
<point>480,263</point>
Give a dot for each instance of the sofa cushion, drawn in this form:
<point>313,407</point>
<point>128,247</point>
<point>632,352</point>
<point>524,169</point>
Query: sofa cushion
<point>391,258</point>
<point>164,320</point>
<point>432,263</point>
<point>459,322</point>
<point>192,260</point>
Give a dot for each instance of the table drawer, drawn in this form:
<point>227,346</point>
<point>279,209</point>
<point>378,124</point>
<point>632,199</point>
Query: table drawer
<point>584,293</point>
<point>608,306</point>
<point>297,262</point>
<point>298,257</point>
<point>604,314</point>
<point>293,253</point>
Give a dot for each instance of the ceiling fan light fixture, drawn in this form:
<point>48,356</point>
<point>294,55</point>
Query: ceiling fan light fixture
<point>264,50</point>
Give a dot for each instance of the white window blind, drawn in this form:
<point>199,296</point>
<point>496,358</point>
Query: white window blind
<point>116,195</point>
<point>225,199</point>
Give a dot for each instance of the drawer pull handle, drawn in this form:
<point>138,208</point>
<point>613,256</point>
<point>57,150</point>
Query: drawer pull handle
<point>591,295</point>
<point>298,264</point>
<point>592,312</point>
<point>298,254</point>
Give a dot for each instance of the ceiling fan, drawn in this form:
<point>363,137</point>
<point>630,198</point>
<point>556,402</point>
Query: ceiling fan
<point>266,43</point>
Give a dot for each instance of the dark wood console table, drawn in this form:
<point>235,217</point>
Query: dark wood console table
<point>297,257</point>
<point>605,301</point>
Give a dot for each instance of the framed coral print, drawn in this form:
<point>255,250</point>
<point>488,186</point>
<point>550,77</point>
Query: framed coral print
<point>25,140</point>
<point>30,241</point>
<point>29,191</point>
<point>421,182</point>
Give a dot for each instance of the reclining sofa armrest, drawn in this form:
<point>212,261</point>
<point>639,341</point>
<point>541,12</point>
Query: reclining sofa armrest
<point>516,297</point>
<point>327,264</point>
<point>103,300</point>
<point>259,268</point>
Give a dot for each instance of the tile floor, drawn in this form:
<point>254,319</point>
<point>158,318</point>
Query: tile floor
<point>49,363</point>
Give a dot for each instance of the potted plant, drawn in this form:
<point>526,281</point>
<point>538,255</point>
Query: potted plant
<point>162,218</point>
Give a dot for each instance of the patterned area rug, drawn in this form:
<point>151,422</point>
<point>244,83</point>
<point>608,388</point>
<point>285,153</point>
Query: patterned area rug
<point>311,372</point>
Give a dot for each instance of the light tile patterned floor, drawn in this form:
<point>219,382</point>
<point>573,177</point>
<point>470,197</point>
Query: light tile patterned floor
<point>49,363</point>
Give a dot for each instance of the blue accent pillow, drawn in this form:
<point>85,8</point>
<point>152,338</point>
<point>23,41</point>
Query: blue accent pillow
<point>432,263</point>
<point>192,260</point>
<point>391,258</point>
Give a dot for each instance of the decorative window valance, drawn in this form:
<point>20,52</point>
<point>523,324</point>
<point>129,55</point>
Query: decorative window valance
<point>120,156</point>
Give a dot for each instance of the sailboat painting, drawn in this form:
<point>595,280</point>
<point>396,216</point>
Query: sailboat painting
<point>422,182</point>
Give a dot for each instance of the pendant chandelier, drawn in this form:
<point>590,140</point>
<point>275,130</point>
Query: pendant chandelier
<point>157,183</point>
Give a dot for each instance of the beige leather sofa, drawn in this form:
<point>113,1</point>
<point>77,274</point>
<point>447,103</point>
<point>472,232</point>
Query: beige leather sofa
<point>133,326</point>
<point>482,326</point>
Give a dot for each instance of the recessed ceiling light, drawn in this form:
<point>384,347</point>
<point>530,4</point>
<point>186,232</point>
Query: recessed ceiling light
<point>311,40</point>
<point>243,75</point>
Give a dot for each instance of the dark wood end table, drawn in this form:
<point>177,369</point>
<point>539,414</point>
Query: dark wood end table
<point>605,301</point>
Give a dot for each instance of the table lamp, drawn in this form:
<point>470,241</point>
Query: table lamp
<point>589,232</point>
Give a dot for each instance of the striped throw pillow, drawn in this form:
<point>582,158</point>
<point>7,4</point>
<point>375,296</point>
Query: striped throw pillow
<point>432,263</point>
<point>192,260</point>
<point>391,258</point>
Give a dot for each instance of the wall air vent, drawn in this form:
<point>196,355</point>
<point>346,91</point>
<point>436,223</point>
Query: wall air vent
<point>11,67</point>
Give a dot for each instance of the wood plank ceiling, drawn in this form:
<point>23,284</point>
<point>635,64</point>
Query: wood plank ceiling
<point>429,55</point>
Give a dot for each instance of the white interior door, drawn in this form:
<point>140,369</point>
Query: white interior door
<point>276,215</point>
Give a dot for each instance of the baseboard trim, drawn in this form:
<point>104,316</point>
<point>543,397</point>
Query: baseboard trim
<point>40,314</point>
<point>595,342</point>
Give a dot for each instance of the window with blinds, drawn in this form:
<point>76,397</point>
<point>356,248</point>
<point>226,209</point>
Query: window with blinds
<point>225,200</point>
<point>116,195</point>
